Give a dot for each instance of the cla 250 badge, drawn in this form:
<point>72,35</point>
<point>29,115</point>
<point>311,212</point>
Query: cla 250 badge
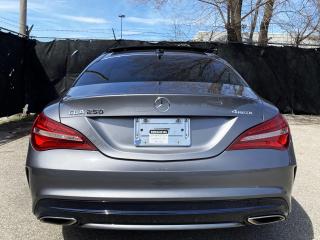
<point>86,112</point>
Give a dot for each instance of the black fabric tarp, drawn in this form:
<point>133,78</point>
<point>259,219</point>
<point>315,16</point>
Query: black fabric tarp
<point>12,92</point>
<point>288,77</point>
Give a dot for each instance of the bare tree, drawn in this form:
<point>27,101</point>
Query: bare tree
<point>233,16</point>
<point>234,20</point>
<point>254,20</point>
<point>236,15</point>
<point>300,20</point>
<point>264,25</point>
<point>230,11</point>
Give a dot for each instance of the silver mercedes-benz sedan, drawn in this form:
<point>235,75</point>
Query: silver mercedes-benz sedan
<point>160,138</point>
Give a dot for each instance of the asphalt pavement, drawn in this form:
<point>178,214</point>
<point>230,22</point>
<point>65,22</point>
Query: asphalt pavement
<point>17,221</point>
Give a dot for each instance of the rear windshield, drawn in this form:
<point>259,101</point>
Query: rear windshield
<point>149,67</point>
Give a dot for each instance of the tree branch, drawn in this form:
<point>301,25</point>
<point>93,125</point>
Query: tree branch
<point>253,9</point>
<point>218,8</point>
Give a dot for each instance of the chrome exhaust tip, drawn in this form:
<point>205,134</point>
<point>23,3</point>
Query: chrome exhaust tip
<point>261,220</point>
<point>58,220</point>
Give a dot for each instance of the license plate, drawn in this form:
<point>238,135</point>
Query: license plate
<point>162,132</point>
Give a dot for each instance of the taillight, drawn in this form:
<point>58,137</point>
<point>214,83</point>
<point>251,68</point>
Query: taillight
<point>274,134</point>
<point>48,134</point>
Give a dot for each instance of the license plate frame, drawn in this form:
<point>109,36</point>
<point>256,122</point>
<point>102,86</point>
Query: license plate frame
<point>162,132</point>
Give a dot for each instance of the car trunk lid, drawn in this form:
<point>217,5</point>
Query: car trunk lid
<point>106,114</point>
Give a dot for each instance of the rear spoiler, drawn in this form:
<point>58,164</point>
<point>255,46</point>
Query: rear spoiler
<point>163,47</point>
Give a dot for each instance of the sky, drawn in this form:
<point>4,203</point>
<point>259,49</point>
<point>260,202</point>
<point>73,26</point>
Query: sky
<point>95,19</point>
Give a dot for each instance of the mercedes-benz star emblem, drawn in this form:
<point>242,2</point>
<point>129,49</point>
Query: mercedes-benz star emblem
<point>162,104</point>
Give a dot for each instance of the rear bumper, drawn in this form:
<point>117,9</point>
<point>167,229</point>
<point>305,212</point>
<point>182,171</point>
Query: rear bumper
<point>161,215</point>
<point>254,182</point>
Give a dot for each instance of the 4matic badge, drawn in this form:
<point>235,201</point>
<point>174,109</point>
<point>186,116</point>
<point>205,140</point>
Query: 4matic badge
<point>242,112</point>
